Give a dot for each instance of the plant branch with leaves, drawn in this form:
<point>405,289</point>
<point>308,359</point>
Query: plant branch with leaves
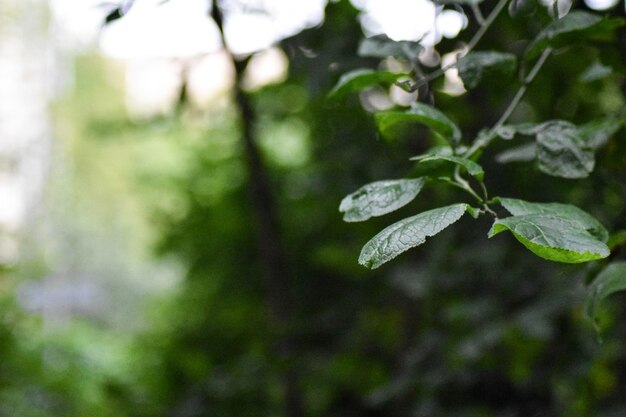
<point>553,231</point>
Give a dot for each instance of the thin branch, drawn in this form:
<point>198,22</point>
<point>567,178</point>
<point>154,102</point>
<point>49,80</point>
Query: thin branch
<point>472,43</point>
<point>461,183</point>
<point>555,9</point>
<point>464,185</point>
<point>484,190</point>
<point>485,140</point>
<point>520,93</point>
<point>478,14</point>
<point>488,22</point>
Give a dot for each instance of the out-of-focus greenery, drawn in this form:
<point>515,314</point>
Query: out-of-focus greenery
<point>464,326</point>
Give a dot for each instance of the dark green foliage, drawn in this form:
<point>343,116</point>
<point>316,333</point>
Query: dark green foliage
<point>553,237</point>
<point>408,233</point>
<point>566,211</point>
<point>381,46</point>
<point>460,317</point>
<point>484,65</point>
<point>561,152</point>
<point>459,324</point>
<point>359,79</point>
<point>595,134</point>
<point>471,167</point>
<point>387,121</point>
<point>379,198</point>
<point>554,232</point>
<point>594,72</point>
<point>575,27</point>
<point>610,280</point>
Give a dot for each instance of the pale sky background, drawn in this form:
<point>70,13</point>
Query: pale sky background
<point>182,27</point>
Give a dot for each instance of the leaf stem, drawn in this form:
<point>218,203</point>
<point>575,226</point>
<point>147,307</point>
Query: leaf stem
<point>461,183</point>
<point>520,93</point>
<point>555,9</point>
<point>490,211</point>
<point>488,22</point>
<point>464,185</point>
<point>484,190</point>
<point>478,14</point>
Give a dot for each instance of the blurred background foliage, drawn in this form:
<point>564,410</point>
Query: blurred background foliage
<point>156,214</point>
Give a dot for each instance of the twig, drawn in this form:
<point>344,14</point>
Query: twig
<point>555,9</point>
<point>485,140</point>
<point>520,93</point>
<point>464,185</point>
<point>472,43</point>
<point>488,22</point>
<point>478,14</point>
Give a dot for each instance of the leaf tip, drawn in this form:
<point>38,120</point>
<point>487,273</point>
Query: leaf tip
<point>473,211</point>
<point>495,229</point>
<point>367,261</point>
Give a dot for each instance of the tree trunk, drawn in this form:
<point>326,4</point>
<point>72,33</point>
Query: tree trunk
<point>272,258</point>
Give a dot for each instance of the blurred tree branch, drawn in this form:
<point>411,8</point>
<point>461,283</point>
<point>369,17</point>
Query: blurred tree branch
<point>272,257</point>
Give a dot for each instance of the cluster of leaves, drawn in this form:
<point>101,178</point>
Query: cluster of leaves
<point>553,231</point>
<point>464,318</point>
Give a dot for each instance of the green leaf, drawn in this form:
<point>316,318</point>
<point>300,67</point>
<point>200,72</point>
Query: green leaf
<point>471,167</point>
<point>508,132</point>
<point>522,153</point>
<point>418,113</point>
<point>436,169</point>
<point>474,211</point>
<point>617,239</point>
<point>552,237</point>
<point>578,217</point>
<point>408,233</point>
<point>563,149</point>
<point>357,80</point>
<point>561,152</point>
<point>575,27</point>
<point>594,72</point>
<point>521,7</point>
<point>610,280</point>
<point>596,134</point>
<point>476,66</point>
<point>380,46</point>
<point>379,198</point>
<point>440,151</point>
